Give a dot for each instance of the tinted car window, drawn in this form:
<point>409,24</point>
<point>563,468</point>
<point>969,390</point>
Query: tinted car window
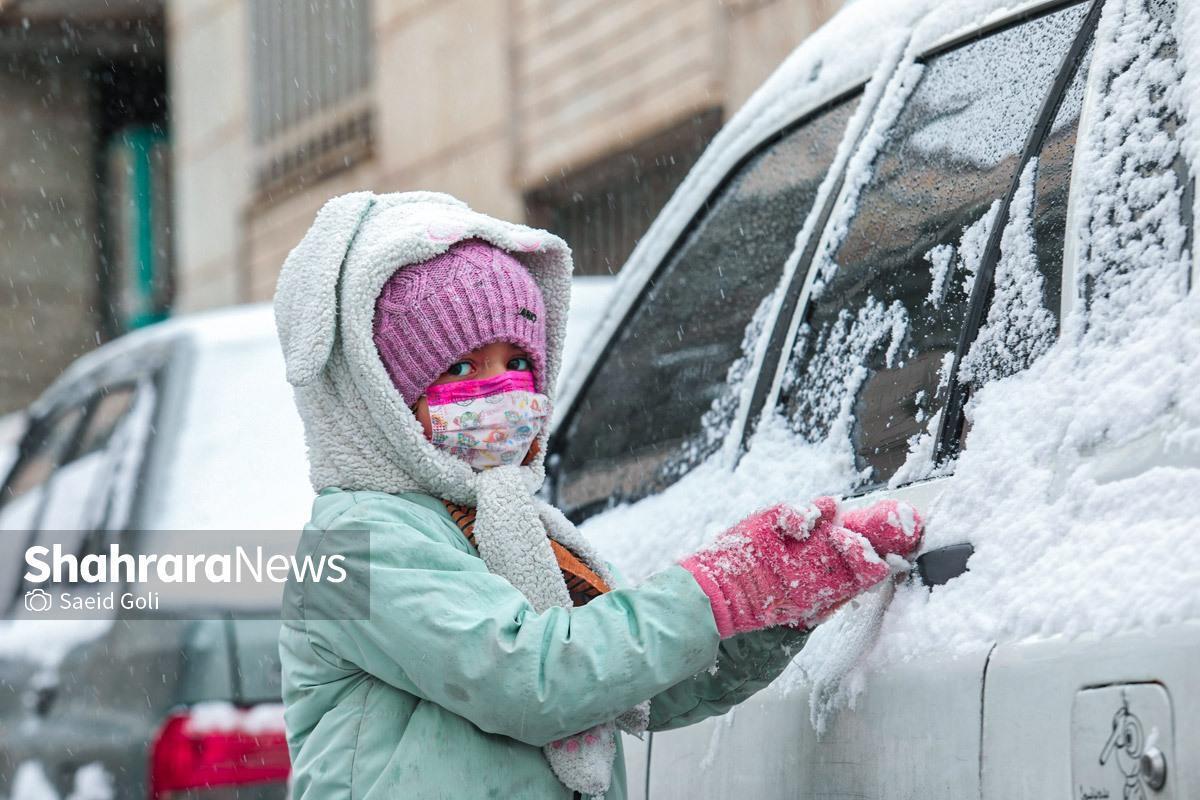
<point>108,410</point>
<point>660,402</point>
<point>46,447</point>
<point>878,337</point>
<point>78,492</point>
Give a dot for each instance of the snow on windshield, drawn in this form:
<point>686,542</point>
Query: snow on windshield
<point>955,120</point>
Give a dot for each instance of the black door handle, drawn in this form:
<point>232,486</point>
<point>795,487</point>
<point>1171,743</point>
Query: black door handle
<point>940,566</point>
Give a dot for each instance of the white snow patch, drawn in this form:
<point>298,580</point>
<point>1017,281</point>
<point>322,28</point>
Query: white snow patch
<point>939,259</point>
<point>825,391</point>
<point>972,244</point>
<point>92,782</point>
<point>722,724</point>
<point>218,716</point>
<point>920,462</point>
<point>1019,327</point>
<point>30,783</point>
<point>241,440</point>
<point>831,665</point>
<point>643,537</point>
<point>590,298</point>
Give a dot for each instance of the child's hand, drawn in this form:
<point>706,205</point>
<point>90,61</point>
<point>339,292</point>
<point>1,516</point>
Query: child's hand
<point>789,566</point>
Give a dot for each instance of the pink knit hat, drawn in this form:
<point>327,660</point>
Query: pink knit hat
<point>430,314</point>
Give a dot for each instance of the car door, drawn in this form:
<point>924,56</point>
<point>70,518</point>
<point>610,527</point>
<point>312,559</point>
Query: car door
<point>1114,709</point>
<point>666,391</point>
<point>864,381</point>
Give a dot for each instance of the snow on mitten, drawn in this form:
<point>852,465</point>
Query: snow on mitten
<point>892,528</point>
<point>584,761</point>
<point>784,566</point>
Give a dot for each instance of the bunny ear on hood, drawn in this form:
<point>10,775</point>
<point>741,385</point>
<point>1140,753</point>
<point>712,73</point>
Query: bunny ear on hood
<point>306,295</point>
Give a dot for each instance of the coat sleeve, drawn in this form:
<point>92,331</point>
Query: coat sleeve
<point>744,664</point>
<point>442,627</point>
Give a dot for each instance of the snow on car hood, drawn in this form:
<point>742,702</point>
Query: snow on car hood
<point>1080,481</point>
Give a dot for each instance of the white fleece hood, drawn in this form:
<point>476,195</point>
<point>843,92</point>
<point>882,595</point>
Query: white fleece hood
<point>360,433</point>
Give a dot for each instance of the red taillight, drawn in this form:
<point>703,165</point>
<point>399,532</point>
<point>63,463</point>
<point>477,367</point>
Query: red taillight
<point>183,757</point>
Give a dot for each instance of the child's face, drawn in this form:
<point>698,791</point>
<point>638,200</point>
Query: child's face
<point>487,361</point>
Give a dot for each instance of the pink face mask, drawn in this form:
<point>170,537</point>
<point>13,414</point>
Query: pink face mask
<point>487,422</point>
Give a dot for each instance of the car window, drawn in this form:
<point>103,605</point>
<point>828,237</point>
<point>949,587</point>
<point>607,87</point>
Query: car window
<point>663,398</point>
<point>257,664</point>
<point>77,494</point>
<point>872,356</point>
<point>46,446</point>
<point>78,500</point>
<point>1052,186</point>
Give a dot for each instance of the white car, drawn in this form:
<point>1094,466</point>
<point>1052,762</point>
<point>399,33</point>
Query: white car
<point>944,254</point>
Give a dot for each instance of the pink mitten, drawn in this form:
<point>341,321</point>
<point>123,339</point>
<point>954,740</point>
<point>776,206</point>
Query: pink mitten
<point>784,566</point>
<point>892,528</point>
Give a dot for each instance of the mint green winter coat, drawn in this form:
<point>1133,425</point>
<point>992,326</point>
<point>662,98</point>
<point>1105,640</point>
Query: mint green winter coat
<point>452,686</point>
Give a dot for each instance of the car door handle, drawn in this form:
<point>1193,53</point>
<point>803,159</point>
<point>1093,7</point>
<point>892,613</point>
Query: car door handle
<point>940,566</point>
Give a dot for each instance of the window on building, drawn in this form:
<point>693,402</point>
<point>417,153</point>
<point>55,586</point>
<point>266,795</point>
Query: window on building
<point>311,81</point>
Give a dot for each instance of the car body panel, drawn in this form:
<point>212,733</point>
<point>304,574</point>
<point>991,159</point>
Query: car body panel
<point>1029,743</point>
<point>767,747</point>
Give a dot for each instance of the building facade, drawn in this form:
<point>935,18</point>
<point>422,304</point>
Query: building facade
<point>578,115</point>
<point>163,156</point>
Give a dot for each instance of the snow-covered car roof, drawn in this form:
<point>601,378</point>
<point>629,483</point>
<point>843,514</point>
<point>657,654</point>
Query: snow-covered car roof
<point>235,323</point>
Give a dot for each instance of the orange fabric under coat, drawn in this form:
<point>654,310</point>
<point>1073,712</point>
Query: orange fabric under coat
<point>582,582</point>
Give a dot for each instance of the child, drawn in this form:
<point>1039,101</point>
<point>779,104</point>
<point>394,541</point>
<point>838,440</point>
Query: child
<point>501,654</point>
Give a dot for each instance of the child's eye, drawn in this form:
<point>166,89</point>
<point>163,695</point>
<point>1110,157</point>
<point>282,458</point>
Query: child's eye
<point>520,363</point>
<point>459,368</point>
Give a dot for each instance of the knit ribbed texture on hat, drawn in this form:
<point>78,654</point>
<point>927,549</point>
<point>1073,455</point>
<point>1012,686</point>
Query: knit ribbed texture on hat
<point>430,314</point>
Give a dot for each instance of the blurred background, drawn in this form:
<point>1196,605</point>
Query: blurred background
<point>163,156</point>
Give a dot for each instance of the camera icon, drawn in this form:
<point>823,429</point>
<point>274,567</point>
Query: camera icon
<point>37,601</point>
